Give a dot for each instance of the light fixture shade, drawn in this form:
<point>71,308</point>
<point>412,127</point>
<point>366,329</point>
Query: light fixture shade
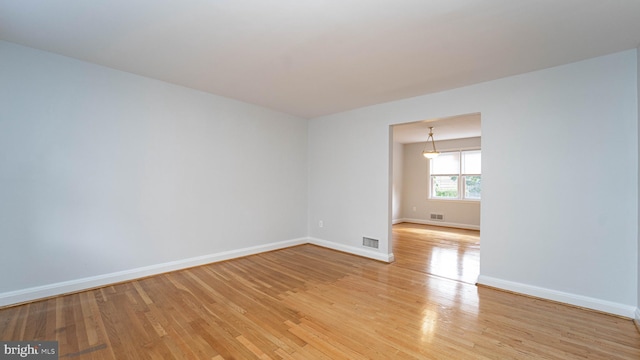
<point>430,154</point>
<point>433,153</point>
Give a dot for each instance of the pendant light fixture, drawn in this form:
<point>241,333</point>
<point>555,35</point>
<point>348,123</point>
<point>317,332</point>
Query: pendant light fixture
<point>434,152</point>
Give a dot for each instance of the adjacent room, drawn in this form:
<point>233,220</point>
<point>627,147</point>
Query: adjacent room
<point>437,190</point>
<point>255,180</point>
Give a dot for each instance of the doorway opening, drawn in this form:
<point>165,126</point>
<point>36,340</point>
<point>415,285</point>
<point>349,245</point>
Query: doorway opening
<point>435,203</point>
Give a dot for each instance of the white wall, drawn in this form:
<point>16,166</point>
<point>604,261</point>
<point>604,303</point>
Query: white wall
<point>560,180</point>
<point>417,206</point>
<point>637,318</point>
<point>103,172</point>
<point>397,190</point>
<point>347,181</point>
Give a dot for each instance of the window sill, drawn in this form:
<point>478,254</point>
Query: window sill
<point>457,201</point>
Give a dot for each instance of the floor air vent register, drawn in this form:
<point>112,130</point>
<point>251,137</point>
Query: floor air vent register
<point>369,242</point>
<point>439,217</point>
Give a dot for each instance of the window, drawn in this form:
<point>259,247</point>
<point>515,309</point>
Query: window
<point>456,175</point>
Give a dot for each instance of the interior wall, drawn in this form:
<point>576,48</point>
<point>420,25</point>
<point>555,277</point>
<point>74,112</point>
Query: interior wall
<point>104,171</point>
<point>398,182</point>
<point>638,265</point>
<point>417,206</point>
<point>560,181</point>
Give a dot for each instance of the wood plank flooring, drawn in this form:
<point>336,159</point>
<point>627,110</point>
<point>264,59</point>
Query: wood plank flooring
<point>307,302</point>
<point>445,252</point>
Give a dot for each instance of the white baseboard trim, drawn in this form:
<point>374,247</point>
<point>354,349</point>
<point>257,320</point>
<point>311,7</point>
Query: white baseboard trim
<point>397,221</point>
<point>438,223</point>
<point>388,258</point>
<point>71,286</point>
<point>563,297</point>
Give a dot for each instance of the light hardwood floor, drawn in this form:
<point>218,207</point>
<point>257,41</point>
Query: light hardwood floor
<point>307,302</point>
<point>445,252</point>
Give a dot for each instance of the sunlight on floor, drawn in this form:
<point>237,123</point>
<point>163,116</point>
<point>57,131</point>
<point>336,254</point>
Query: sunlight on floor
<point>445,252</point>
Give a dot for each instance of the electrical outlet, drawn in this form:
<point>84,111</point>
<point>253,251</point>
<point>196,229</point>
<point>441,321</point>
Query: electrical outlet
<point>320,223</point>
<point>414,208</point>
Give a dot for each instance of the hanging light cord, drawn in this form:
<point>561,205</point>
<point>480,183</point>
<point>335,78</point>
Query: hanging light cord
<point>434,152</point>
<point>433,143</point>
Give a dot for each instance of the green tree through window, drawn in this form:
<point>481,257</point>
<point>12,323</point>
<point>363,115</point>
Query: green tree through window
<point>456,175</point>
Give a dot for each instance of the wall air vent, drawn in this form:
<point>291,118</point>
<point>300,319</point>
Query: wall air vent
<point>368,242</point>
<point>437,217</point>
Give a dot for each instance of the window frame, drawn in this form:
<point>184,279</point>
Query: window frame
<point>461,181</point>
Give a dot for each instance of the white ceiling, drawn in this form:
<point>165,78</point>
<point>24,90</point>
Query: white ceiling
<point>457,127</point>
<point>316,57</point>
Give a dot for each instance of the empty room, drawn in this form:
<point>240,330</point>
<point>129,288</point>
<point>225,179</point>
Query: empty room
<point>231,180</point>
<point>436,196</point>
